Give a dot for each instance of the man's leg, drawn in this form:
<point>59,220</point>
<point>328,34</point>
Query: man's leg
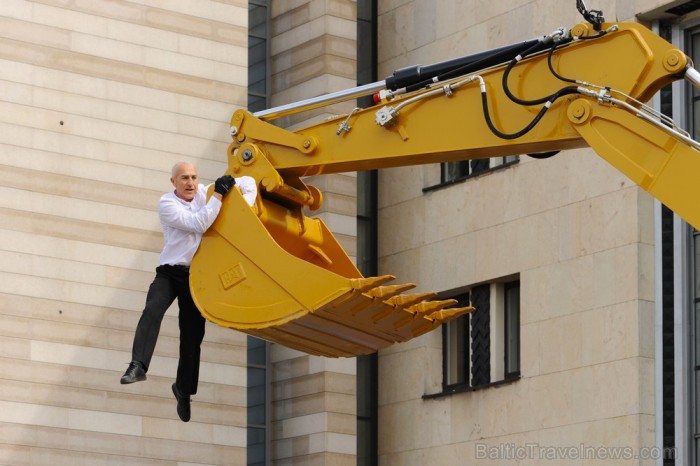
<point>160,296</point>
<point>191,335</point>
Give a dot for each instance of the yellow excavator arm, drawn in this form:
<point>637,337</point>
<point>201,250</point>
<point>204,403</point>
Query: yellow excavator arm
<point>275,273</point>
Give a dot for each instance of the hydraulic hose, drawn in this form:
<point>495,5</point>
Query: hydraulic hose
<point>487,116</point>
<point>530,51</point>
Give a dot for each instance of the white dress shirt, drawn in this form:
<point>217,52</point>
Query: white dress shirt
<point>184,222</point>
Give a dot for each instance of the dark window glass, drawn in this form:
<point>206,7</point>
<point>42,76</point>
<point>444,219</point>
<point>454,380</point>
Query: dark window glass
<point>512,328</point>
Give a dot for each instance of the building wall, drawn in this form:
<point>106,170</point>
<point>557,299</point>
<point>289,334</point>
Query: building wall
<point>579,234</point>
<point>97,101</point>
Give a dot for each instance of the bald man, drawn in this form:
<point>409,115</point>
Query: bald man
<point>185,214</point>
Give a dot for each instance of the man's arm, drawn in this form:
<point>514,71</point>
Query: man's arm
<point>248,188</point>
<point>175,215</point>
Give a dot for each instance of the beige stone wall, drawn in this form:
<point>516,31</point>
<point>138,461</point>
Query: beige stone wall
<point>578,233</point>
<point>313,398</point>
<point>98,100</point>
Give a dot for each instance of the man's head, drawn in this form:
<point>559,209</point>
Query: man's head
<point>184,179</point>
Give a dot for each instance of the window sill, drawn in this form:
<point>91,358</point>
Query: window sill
<point>464,388</point>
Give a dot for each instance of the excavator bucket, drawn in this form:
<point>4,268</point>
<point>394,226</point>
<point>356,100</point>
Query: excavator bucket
<point>283,277</point>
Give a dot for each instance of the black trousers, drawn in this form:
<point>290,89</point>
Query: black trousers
<point>172,281</point>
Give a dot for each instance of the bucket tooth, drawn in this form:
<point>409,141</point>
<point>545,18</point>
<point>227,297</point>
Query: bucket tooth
<point>355,301</point>
<point>427,307</point>
<point>418,311</point>
<point>352,303</point>
<point>408,300</point>
<point>377,296</point>
<point>366,284</point>
<point>387,292</point>
<point>361,306</point>
<point>400,302</point>
<point>435,319</point>
<point>442,316</point>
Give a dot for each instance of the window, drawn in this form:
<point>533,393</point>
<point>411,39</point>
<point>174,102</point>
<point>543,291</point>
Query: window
<point>258,55</point>
<point>258,400</point>
<point>457,171</point>
<point>695,380</point>
<point>483,347</point>
<point>368,365</point>
<point>455,343</point>
<point>693,42</point>
<point>257,374</point>
<point>678,383</point>
<point>511,314</point>
<point>453,171</point>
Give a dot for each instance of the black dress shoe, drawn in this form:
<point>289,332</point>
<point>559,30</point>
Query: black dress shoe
<point>183,404</point>
<point>135,373</point>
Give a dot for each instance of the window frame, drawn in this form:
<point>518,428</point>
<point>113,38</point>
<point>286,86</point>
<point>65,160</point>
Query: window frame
<point>458,325</point>
<point>498,309</point>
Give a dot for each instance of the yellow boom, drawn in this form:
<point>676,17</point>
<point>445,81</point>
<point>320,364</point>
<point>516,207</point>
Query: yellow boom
<point>275,273</point>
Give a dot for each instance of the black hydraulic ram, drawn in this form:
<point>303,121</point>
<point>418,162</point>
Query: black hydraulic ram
<point>419,76</point>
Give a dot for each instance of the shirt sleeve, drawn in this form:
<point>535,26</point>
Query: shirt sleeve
<point>248,188</point>
<point>173,214</point>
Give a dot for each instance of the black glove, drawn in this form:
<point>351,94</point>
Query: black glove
<point>223,184</point>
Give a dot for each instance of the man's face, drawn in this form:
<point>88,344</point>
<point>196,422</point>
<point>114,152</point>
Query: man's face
<point>185,182</point>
